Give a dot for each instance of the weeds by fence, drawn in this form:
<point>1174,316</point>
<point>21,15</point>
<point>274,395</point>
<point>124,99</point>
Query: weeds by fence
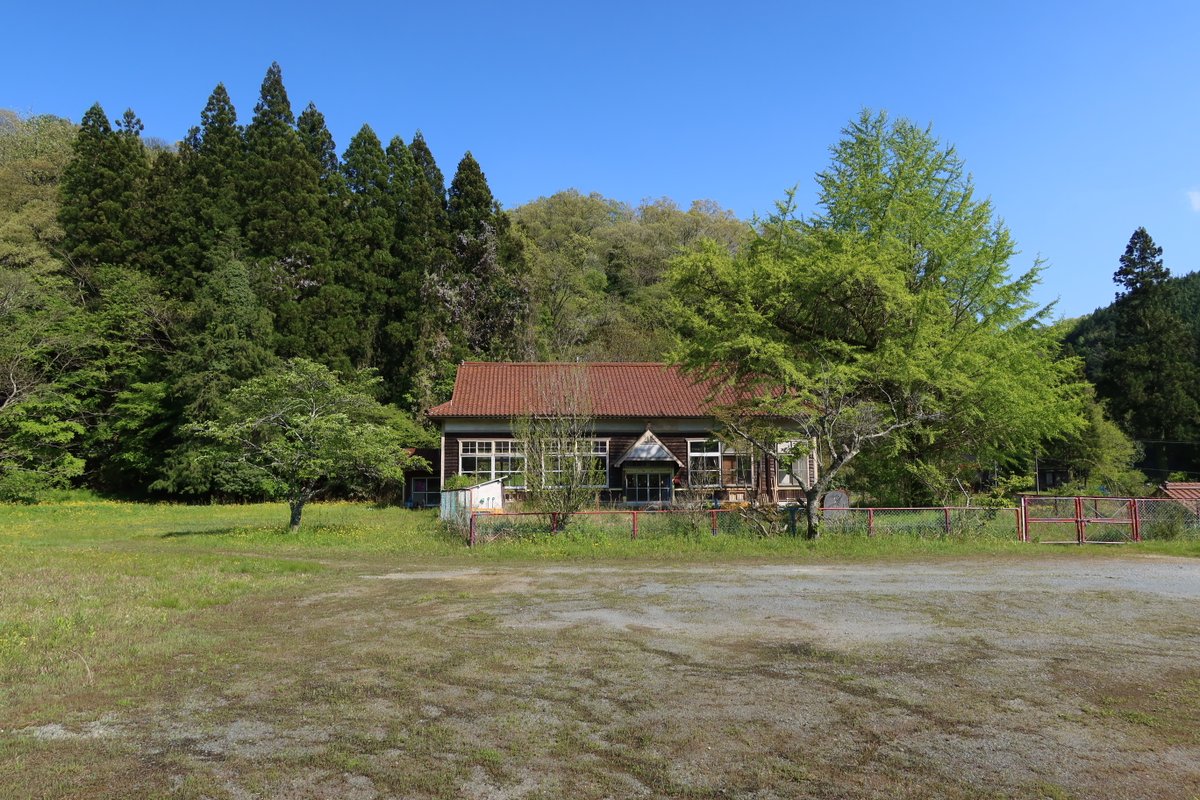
<point>1046,520</point>
<point>962,523</point>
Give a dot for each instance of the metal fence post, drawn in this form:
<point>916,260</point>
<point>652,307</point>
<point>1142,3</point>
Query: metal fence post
<point>870,522</point>
<point>714,521</point>
<point>1022,534</point>
<point>634,513</point>
<point>1080,525</point>
<point>946,513</point>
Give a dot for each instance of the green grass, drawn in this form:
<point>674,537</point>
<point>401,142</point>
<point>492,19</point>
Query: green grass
<point>85,576</point>
<point>137,610</point>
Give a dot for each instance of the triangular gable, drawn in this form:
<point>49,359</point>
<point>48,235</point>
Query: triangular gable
<point>648,448</point>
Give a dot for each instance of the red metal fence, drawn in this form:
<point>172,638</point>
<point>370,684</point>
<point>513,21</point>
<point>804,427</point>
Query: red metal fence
<point>1048,520</point>
<point>962,522</point>
<point>1106,520</point>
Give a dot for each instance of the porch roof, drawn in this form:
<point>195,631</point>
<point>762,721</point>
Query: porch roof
<point>647,448</point>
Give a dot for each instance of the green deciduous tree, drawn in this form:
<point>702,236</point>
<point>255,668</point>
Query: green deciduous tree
<point>886,321</point>
<point>298,432</point>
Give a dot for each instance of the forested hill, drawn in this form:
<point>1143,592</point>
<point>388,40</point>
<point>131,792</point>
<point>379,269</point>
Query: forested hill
<point>1142,353</point>
<point>140,281</point>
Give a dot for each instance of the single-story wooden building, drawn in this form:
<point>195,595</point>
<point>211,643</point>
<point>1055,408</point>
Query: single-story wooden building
<point>652,428</point>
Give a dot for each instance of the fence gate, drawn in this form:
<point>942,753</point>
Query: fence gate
<point>1080,520</point>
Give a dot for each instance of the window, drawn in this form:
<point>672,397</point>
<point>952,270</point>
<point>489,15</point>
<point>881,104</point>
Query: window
<point>425,493</point>
<point>590,457</point>
<point>648,487</point>
<point>486,460</point>
<point>712,465</point>
<point>799,467</point>
<point>704,463</point>
<point>489,459</point>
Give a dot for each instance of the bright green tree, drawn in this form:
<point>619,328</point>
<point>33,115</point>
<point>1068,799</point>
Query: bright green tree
<point>887,319</point>
<point>298,432</point>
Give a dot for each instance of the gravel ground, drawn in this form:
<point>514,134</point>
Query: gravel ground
<point>1068,677</point>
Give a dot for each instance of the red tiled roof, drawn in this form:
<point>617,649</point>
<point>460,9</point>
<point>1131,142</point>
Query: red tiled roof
<point>606,389</point>
<point>1181,491</point>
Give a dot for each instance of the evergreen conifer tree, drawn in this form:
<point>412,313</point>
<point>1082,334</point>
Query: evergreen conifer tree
<point>227,342</point>
<point>1150,377</point>
<point>102,188</point>
<point>218,150</point>
<point>286,232</point>
<point>470,204</point>
<point>367,236</point>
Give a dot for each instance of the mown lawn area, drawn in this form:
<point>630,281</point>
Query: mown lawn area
<point>202,651</point>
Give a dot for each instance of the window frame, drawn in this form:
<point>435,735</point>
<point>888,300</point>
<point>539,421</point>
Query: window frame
<point>493,451</point>
<point>718,453</point>
<point>780,474</point>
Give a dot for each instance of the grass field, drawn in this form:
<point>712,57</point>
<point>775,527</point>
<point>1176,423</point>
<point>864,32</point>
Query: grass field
<point>181,651</point>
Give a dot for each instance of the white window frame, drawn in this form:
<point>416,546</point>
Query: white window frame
<point>706,454</point>
<point>600,452</point>
<point>721,453</point>
<point>803,462</point>
<point>491,450</point>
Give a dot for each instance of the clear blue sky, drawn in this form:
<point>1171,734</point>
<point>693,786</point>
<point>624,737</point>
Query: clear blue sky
<point>1080,120</point>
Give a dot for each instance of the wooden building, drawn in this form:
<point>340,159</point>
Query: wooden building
<point>653,431</point>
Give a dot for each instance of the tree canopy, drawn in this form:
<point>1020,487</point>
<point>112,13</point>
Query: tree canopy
<point>297,432</point>
<point>888,321</point>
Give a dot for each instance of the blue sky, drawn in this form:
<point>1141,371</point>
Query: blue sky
<point>1080,121</point>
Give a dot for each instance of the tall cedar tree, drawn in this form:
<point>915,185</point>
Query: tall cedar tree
<point>424,249</point>
<point>168,227</point>
<point>226,344</point>
<point>102,188</point>
<point>338,326</point>
<point>1151,380</point>
<point>285,231</point>
<point>366,238</point>
<point>415,236</point>
<point>477,304</point>
<point>213,157</point>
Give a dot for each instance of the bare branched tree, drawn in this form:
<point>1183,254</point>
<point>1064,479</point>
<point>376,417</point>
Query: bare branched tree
<point>563,470</point>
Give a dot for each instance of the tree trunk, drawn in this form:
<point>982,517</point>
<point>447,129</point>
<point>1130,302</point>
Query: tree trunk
<point>811,498</point>
<point>297,507</point>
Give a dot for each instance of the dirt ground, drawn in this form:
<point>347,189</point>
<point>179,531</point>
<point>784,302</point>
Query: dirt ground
<point>1056,678</point>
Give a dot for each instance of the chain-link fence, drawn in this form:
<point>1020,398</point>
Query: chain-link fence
<point>1165,519</point>
<point>968,522</point>
<point>1107,520</point>
<point>1048,520</point>
<point>753,521</point>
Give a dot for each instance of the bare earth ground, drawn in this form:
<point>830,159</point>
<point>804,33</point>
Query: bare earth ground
<point>987,677</point>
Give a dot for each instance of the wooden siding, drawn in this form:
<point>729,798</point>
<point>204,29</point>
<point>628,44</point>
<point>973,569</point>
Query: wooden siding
<point>619,442</point>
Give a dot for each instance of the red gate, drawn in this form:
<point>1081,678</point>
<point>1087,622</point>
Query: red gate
<point>1080,520</point>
